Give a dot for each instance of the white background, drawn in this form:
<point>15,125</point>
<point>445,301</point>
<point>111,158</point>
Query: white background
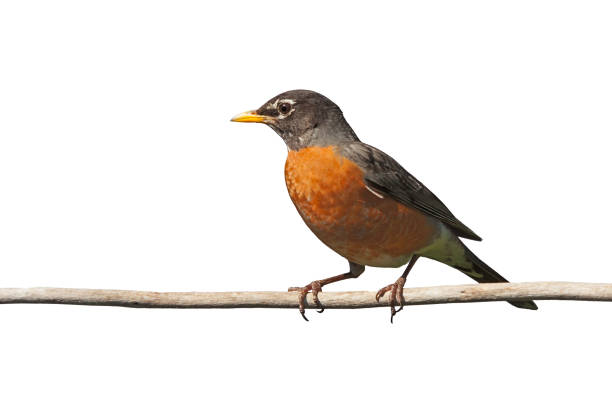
<point>119,168</point>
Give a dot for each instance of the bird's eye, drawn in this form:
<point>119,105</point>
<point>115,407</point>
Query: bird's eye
<point>284,108</point>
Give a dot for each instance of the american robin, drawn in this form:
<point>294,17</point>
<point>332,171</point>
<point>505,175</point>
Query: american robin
<point>360,202</point>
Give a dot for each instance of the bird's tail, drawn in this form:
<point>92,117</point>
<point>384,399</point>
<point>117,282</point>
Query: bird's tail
<point>483,273</point>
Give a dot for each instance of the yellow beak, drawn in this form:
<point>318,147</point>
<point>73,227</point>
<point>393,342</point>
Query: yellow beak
<point>250,116</point>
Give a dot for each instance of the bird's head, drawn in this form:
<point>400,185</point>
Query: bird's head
<point>302,118</point>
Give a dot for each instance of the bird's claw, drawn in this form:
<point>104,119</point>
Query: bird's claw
<point>396,297</point>
<point>314,287</point>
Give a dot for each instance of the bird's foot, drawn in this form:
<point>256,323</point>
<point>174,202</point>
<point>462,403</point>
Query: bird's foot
<point>314,287</point>
<point>396,297</point>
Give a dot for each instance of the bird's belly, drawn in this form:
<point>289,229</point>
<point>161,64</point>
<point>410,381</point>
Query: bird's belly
<point>331,196</point>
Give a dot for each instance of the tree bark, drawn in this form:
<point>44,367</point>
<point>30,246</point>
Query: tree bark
<point>487,292</point>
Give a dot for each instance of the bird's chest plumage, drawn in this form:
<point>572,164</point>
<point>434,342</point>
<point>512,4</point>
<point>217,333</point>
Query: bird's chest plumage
<point>330,194</point>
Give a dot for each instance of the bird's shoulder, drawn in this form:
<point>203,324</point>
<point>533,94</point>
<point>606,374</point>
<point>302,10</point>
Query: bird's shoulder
<point>384,174</point>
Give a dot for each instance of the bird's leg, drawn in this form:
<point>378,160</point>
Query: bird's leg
<point>315,287</point>
<point>397,289</point>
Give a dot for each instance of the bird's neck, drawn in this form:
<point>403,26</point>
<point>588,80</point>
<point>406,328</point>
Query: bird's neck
<point>322,135</point>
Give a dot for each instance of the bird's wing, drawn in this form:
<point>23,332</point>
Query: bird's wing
<point>383,174</point>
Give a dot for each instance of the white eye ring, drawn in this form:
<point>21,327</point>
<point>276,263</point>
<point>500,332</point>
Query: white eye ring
<point>284,107</point>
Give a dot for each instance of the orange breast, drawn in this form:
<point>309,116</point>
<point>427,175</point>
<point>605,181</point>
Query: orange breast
<point>329,193</point>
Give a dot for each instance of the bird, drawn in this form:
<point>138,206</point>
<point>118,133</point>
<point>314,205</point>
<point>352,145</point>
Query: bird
<point>361,202</point>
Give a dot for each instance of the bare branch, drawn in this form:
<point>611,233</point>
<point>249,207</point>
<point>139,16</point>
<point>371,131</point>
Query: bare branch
<point>333,300</point>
